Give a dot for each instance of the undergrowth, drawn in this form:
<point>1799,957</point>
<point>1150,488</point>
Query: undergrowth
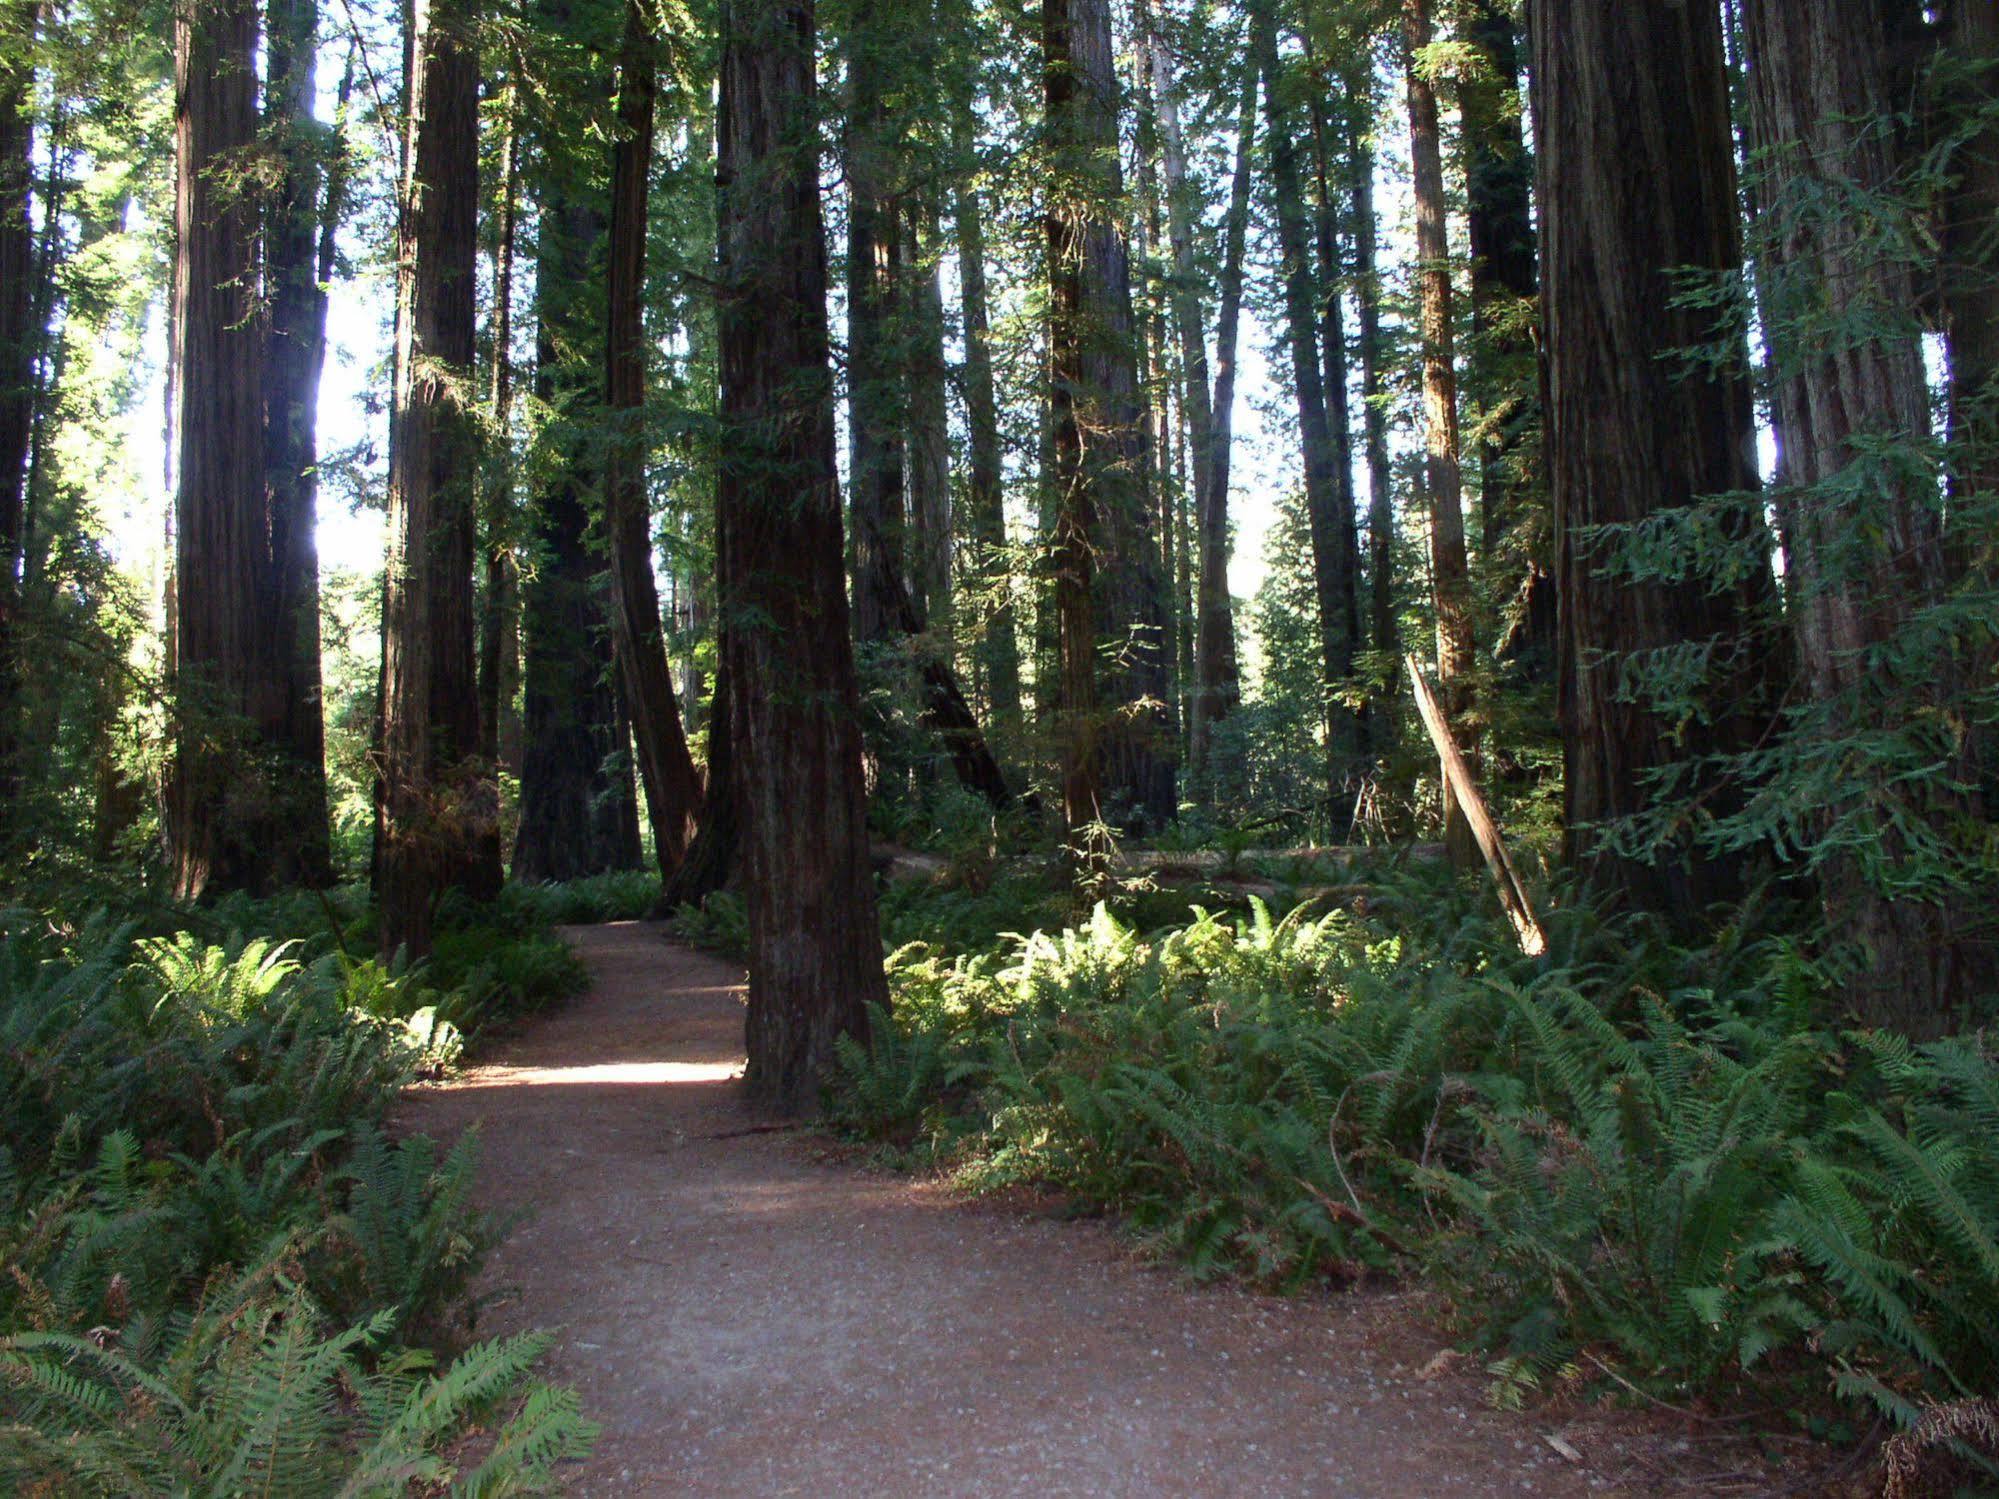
<point>222,1274</point>
<point>1632,1166</point>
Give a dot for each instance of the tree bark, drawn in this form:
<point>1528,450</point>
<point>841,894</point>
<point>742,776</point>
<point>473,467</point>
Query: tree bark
<point>435,793</point>
<point>294,354</point>
<point>228,703</point>
<point>17,375</point>
<point>1382,629</point>
<point>666,768</point>
<point>1635,177</point>
<point>1333,586</point>
<point>998,649</point>
<point>1863,541</point>
<point>815,946</point>
<point>1443,477</point>
<point>1107,584</point>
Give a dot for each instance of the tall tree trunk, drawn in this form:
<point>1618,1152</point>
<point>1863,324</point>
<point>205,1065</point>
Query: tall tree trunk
<point>1864,542</point>
<point>1382,629</point>
<point>294,353</point>
<point>929,439</point>
<point>227,701</point>
<point>1443,479</point>
<point>1971,256</point>
<point>1635,177</point>
<point>666,768</point>
<point>435,793</point>
<point>1217,682</point>
<point>1332,588</point>
<point>815,946</point>
<point>17,375</point>
<point>1107,584</point>
<point>500,625</point>
<point>575,771</point>
<point>998,650</point>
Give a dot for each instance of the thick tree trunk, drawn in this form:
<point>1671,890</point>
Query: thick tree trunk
<point>794,709</point>
<point>1382,629</point>
<point>1443,478</point>
<point>294,353</point>
<point>575,771</point>
<point>17,366</point>
<point>1107,585</point>
<point>998,648</point>
<point>436,796</point>
<point>1635,178</point>
<point>666,769</point>
<point>1333,586</point>
<point>228,700</point>
<point>1863,541</point>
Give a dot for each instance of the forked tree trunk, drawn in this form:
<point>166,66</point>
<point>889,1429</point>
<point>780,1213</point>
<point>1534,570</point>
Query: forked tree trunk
<point>1863,541</point>
<point>666,769</point>
<point>1443,478</point>
<point>435,794</point>
<point>1333,585</point>
<point>815,945</point>
<point>1635,176</point>
<point>17,351</point>
<point>294,353</point>
<point>228,701</point>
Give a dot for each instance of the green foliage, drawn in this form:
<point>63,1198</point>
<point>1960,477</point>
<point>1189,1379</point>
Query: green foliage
<point>1627,1161</point>
<point>222,1274</point>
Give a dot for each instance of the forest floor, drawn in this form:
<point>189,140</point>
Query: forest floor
<point>748,1312</point>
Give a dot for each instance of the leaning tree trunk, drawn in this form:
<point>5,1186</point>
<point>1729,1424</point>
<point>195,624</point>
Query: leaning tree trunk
<point>794,709</point>
<point>294,353</point>
<point>435,795</point>
<point>1443,478</point>
<point>666,769</point>
<point>1107,576</point>
<point>1332,579</point>
<point>1635,177</point>
<point>227,702</point>
<point>17,349</point>
<point>1863,540</point>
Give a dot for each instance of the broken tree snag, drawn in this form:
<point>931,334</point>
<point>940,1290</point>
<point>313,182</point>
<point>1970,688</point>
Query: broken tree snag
<point>1512,895</point>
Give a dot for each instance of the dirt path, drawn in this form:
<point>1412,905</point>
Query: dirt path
<point>746,1320</point>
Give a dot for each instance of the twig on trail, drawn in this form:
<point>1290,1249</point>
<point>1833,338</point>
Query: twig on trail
<point>1667,1405</point>
<point>750,1129</point>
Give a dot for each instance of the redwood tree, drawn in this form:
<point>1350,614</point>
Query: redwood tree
<point>435,793</point>
<point>1635,175</point>
<point>17,348</point>
<point>794,703</point>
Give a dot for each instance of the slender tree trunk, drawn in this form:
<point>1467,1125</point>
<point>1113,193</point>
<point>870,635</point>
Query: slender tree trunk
<point>435,793</point>
<point>294,353</point>
<point>1443,478</point>
<point>17,375</point>
<point>499,627</point>
<point>1864,542</point>
<point>929,439</point>
<point>1323,491</point>
<point>1382,630</point>
<point>227,702</point>
<point>666,768</point>
<point>998,651</point>
<point>1971,261</point>
<point>815,946</point>
<point>1635,177</point>
<point>1217,682</point>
